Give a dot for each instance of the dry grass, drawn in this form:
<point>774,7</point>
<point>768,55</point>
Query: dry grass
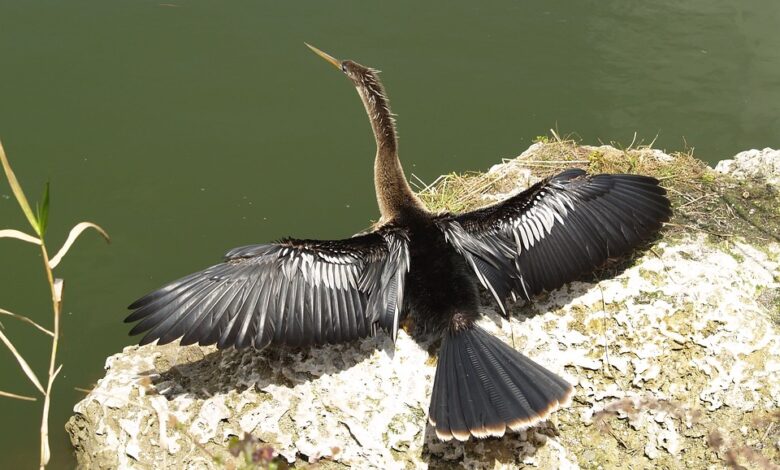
<point>462,192</point>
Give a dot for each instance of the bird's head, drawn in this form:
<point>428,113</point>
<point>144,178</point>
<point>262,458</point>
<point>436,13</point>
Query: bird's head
<point>360,75</point>
<point>373,95</point>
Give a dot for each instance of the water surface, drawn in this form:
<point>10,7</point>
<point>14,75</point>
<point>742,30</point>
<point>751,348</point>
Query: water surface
<point>188,127</point>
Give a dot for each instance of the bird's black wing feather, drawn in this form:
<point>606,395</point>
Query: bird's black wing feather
<point>295,292</point>
<point>557,230</point>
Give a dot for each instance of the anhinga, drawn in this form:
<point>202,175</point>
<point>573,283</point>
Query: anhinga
<point>424,265</point>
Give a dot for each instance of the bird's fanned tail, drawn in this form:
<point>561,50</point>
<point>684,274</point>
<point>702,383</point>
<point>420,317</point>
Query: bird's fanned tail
<point>484,387</point>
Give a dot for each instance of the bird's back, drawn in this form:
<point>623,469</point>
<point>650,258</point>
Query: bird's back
<point>439,283</point>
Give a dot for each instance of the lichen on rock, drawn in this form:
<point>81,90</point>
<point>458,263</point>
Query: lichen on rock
<point>675,357</point>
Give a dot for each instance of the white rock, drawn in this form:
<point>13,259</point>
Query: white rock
<point>764,164</point>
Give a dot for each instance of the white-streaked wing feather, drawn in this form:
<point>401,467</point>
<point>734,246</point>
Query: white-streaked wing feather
<point>295,292</point>
<point>556,230</point>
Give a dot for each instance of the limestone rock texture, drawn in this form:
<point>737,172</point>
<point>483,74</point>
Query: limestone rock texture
<point>674,353</point>
<point>753,164</point>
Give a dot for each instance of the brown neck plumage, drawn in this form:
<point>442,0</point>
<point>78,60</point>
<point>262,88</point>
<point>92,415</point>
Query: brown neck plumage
<point>393,193</point>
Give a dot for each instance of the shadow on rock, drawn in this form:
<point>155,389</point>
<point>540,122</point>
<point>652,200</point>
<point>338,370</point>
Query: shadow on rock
<point>509,450</point>
<point>204,372</point>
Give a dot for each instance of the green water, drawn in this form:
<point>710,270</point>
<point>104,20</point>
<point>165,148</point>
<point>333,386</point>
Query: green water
<point>188,127</point>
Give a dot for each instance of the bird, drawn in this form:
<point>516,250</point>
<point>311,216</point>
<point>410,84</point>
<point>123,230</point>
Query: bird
<point>424,267</point>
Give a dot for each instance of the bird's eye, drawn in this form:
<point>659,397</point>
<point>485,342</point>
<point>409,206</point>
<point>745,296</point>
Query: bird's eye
<point>344,67</point>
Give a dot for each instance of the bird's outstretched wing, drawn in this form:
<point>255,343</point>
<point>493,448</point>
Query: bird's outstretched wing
<point>557,230</point>
<point>295,292</point>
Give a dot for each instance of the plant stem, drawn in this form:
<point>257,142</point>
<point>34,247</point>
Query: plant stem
<point>38,223</point>
<point>56,307</point>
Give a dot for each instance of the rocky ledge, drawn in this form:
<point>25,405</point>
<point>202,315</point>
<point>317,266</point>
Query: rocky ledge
<point>675,354</point>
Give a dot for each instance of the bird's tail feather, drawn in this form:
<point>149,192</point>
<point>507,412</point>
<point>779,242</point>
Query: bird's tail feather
<point>483,386</point>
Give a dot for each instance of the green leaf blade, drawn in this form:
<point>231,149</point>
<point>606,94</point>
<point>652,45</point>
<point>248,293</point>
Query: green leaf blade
<point>42,211</point>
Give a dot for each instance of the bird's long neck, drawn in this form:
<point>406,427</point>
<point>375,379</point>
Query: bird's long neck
<point>393,193</point>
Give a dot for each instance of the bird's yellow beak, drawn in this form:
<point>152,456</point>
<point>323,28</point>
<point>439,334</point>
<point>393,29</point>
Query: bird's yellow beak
<point>335,62</point>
